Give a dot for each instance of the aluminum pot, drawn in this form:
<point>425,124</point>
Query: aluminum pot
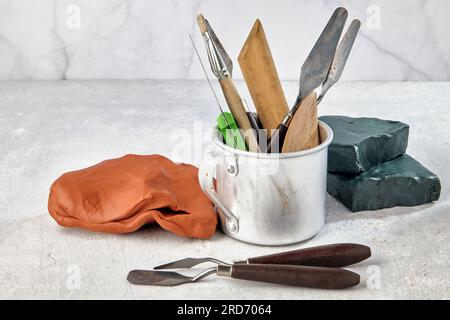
<point>268,199</point>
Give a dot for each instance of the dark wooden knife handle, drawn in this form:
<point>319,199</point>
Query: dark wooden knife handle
<point>299,276</point>
<point>332,255</point>
<point>277,137</point>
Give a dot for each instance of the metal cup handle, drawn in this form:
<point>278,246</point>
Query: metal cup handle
<point>206,175</point>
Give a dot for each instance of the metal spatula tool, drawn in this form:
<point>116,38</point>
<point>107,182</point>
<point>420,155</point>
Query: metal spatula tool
<point>165,278</point>
<point>303,132</point>
<point>340,58</point>
<point>299,276</point>
<point>331,255</point>
<point>316,267</point>
<point>314,70</point>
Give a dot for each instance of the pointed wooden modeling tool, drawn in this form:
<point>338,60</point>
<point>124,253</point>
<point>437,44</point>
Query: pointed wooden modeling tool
<point>261,77</point>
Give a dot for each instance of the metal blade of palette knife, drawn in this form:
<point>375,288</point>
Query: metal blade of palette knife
<point>157,278</point>
<point>188,263</point>
<point>317,65</point>
<point>341,57</point>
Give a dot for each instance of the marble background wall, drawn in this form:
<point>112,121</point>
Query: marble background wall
<point>145,39</point>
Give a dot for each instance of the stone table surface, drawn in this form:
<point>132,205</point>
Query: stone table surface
<point>48,128</point>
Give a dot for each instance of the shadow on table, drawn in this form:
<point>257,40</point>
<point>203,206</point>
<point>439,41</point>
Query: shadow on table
<point>336,211</point>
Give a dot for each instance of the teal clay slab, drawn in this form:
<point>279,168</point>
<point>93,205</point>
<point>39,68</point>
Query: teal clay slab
<point>361,143</point>
<point>399,182</point>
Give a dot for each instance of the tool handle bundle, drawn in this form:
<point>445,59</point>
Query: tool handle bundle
<point>286,131</point>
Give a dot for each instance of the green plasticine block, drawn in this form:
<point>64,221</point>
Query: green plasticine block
<point>399,182</point>
<point>361,143</point>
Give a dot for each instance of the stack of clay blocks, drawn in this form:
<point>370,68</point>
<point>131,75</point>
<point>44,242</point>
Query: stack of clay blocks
<point>368,168</point>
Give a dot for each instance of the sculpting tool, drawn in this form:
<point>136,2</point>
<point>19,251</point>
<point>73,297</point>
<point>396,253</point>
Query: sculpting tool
<point>314,70</point>
<point>315,267</point>
<point>302,133</point>
<point>222,68</point>
<point>260,133</point>
<point>225,122</point>
<point>261,77</point>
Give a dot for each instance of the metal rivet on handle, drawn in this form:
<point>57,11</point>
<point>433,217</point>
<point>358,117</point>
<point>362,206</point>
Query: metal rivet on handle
<point>231,169</point>
<point>231,226</point>
<point>231,165</point>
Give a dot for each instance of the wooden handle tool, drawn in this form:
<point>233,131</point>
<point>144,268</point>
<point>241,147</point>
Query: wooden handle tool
<point>300,276</point>
<point>222,66</point>
<point>236,106</point>
<point>332,255</point>
<point>303,132</point>
<point>261,77</point>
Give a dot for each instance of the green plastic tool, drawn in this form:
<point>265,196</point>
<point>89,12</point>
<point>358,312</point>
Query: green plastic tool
<point>230,131</point>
